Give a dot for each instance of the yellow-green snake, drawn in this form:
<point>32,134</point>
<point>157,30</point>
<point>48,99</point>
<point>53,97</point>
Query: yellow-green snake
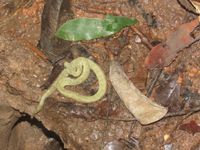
<point>75,73</point>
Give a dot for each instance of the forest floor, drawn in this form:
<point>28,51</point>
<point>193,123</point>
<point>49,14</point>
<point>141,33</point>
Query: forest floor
<point>90,127</point>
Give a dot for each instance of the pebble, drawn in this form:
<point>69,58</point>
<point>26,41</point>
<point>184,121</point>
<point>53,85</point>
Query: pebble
<point>138,39</point>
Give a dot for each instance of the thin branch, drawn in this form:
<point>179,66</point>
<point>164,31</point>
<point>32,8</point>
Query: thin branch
<point>153,82</point>
<point>173,114</point>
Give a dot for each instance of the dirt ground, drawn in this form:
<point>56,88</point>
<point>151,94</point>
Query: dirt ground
<point>65,124</point>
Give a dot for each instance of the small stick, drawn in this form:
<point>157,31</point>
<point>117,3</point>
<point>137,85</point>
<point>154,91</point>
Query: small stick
<point>173,114</point>
<point>146,42</point>
<point>153,82</point>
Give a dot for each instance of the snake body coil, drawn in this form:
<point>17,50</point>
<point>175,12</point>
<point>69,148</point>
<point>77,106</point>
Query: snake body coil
<point>75,73</point>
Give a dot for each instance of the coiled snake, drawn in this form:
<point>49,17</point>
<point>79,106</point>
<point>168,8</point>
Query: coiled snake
<point>75,73</point>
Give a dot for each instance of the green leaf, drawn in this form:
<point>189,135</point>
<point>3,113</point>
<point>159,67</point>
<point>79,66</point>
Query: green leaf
<point>116,23</point>
<point>92,28</point>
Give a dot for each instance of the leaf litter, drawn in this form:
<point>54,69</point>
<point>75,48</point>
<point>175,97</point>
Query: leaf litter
<point>160,56</point>
<point>164,53</point>
<point>168,94</point>
<point>190,127</point>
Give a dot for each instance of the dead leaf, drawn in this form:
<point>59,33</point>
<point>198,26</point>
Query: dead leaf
<point>144,110</point>
<point>164,53</point>
<point>191,127</point>
<point>196,4</point>
<point>168,94</point>
<point>187,5</point>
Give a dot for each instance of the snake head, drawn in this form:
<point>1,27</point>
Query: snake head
<point>66,64</point>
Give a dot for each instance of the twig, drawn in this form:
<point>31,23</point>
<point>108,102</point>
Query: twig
<point>108,111</point>
<point>173,114</point>
<point>117,119</point>
<point>184,112</point>
<point>181,120</point>
<point>153,83</point>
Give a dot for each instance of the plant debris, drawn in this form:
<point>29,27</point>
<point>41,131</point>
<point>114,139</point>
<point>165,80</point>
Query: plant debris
<point>145,110</point>
<point>191,127</point>
<point>164,53</point>
<point>51,46</point>
<point>191,5</point>
<point>168,94</point>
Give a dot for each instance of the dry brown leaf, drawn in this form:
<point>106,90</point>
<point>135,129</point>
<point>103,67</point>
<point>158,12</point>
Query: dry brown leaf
<point>164,53</point>
<point>144,110</point>
<point>191,127</point>
<point>168,94</point>
<point>196,4</point>
<point>188,5</point>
